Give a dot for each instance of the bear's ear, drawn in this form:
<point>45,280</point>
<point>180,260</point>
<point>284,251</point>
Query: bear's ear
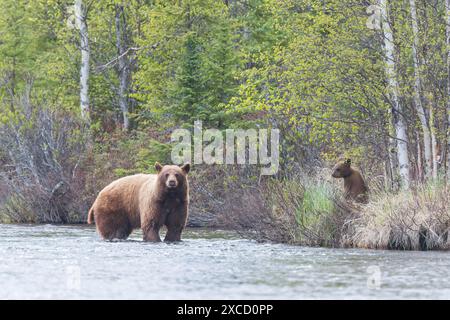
<point>158,167</point>
<point>186,167</point>
<point>348,162</point>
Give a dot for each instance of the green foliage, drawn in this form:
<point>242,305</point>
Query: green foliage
<point>191,73</point>
<point>303,209</point>
<point>317,200</point>
<point>147,157</point>
<point>310,68</point>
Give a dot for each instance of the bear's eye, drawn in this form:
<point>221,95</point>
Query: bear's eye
<point>167,175</point>
<point>338,169</point>
<point>177,175</point>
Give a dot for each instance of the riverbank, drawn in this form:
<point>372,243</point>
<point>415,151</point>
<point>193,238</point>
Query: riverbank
<point>313,212</point>
<point>302,210</point>
<point>417,219</point>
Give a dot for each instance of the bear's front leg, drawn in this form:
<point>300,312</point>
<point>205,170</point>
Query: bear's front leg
<point>175,222</point>
<point>152,236</point>
<point>173,234</point>
<point>151,232</point>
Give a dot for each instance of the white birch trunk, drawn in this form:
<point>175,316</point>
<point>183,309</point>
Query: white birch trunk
<point>123,65</point>
<point>417,94</point>
<point>399,122</point>
<point>80,16</point>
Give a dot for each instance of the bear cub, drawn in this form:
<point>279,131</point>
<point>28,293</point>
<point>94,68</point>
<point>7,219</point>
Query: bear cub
<point>354,186</point>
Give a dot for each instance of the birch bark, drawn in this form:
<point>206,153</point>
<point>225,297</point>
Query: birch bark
<point>80,16</point>
<point>123,64</point>
<point>397,109</point>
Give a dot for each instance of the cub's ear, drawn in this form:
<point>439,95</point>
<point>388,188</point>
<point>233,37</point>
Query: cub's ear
<point>158,166</point>
<point>348,162</point>
<point>186,167</point>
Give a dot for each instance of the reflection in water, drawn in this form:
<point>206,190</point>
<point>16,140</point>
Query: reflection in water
<point>71,262</point>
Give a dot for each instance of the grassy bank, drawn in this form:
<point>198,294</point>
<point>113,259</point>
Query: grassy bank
<point>311,211</point>
<point>417,219</point>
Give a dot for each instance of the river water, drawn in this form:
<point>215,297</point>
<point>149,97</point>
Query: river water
<point>72,262</point>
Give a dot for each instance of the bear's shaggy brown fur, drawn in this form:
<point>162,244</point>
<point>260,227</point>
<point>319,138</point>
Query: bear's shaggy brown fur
<point>148,201</point>
<point>354,186</point>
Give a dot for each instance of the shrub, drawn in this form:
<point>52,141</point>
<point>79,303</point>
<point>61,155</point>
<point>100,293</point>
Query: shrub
<point>302,210</point>
<point>43,150</point>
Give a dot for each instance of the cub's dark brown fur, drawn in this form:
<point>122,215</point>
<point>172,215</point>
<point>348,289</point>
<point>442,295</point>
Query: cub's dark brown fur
<point>148,201</point>
<point>354,186</point>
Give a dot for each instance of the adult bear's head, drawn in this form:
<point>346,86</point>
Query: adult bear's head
<point>173,178</point>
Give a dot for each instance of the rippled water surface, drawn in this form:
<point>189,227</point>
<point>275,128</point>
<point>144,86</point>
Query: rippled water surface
<point>71,262</point>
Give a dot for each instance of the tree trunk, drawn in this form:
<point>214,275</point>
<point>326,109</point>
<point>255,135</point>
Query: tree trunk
<point>419,175</point>
<point>123,65</point>
<point>417,94</point>
<point>81,16</point>
<point>397,110</point>
<point>434,145</point>
<point>447,7</point>
<point>393,153</point>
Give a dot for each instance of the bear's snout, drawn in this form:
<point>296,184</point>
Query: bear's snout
<point>172,183</point>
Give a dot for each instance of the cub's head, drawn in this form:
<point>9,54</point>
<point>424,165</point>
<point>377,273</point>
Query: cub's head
<point>342,169</point>
<point>172,177</point>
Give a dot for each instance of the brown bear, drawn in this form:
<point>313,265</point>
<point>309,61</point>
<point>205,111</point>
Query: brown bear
<point>148,201</point>
<point>354,186</point>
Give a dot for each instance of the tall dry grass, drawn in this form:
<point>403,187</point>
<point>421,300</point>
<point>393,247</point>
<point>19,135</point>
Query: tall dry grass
<point>417,219</point>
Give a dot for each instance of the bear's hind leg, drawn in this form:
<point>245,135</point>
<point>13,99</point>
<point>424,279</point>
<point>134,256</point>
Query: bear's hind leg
<point>121,233</point>
<point>113,226</point>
